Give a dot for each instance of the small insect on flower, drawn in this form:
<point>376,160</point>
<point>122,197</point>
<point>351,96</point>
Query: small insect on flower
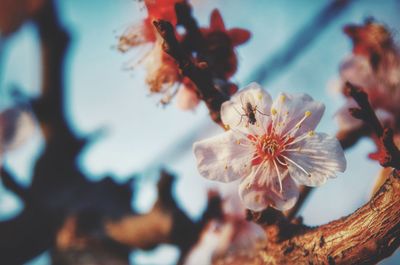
<point>273,156</point>
<point>246,106</point>
<point>250,113</point>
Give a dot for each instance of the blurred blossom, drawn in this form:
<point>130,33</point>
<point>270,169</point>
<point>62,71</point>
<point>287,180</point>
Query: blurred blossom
<point>17,125</point>
<point>221,43</point>
<point>233,233</point>
<point>187,98</point>
<point>144,32</point>
<point>375,67</point>
<point>271,147</point>
<point>163,74</point>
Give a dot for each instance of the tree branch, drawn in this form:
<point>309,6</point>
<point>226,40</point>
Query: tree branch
<point>33,230</point>
<point>197,72</point>
<point>367,236</point>
<point>165,223</point>
<point>389,154</point>
<point>10,183</point>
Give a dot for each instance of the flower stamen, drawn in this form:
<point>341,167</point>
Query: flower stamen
<point>279,176</point>
<point>298,125</point>
<point>299,139</point>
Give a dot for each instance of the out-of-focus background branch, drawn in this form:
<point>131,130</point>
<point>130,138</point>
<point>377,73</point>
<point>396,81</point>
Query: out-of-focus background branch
<point>82,221</point>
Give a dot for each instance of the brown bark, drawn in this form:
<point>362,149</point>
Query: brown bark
<point>367,236</point>
<point>197,72</point>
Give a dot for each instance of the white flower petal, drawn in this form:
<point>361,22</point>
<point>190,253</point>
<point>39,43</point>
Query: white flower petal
<point>290,110</point>
<point>133,36</point>
<point>187,98</point>
<point>257,196</point>
<point>224,157</point>
<point>319,155</point>
<point>233,111</point>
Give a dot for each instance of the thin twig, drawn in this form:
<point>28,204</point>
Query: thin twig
<point>197,72</point>
<point>389,154</point>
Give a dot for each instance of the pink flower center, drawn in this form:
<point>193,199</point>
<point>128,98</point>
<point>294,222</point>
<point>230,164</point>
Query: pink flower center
<point>268,147</point>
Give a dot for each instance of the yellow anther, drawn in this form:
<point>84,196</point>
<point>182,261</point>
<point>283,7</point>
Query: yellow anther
<point>283,98</point>
<point>307,113</point>
<point>260,96</point>
<point>311,133</point>
<point>273,111</point>
<point>227,127</point>
<point>238,141</point>
<point>257,198</point>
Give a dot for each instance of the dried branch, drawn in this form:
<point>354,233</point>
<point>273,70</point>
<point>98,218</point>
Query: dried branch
<point>365,237</point>
<point>9,183</point>
<point>33,230</point>
<point>26,236</point>
<point>147,231</point>
<point>197,72</point>
<point>389,154</point>
<point>351,137</point>
<point>193,34</point>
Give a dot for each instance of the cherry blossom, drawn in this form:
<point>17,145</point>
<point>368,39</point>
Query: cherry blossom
<point>163,75</point>
<point>221,43</point>
<point>230,234</point>
<point>374,65</point>
<point>236,232</point>
<point>187,98</point>
<point>144,31</point>
<point>271,147</point>
<point>162,72</point>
